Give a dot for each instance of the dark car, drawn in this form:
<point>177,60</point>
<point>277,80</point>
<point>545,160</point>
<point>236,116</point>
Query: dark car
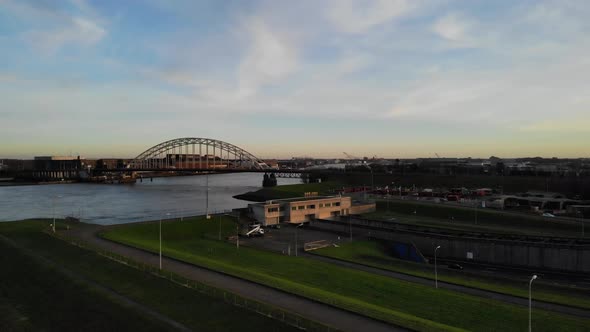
<point>455,266</point>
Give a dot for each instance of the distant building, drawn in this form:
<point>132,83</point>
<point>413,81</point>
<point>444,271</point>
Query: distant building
<point>304,209</point>
<point>57,167</point>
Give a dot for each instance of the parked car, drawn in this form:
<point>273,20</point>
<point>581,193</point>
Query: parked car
<point>547,214</point>
<point>455,266</point>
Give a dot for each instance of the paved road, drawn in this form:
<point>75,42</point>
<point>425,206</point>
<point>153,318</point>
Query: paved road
<point>467,290</point>
<point>337,318</point>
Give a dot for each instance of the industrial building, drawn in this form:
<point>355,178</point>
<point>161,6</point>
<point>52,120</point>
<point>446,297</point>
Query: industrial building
<point>57,167</point>
<point>304,209</point>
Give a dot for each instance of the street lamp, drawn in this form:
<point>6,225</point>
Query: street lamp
<point>296,232</point>
<point>167,214</point>
<point>435,268</point>
<point>476,207</point>
<point>350,227</point>
<point>53,208</point>
<point>207,216</point>
<point>531,301</point>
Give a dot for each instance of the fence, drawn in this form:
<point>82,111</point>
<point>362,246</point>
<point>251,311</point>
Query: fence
<point>267,310</point>
<point>309,246</point>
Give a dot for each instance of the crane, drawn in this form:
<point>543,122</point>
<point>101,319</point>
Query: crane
<point>350,156</point>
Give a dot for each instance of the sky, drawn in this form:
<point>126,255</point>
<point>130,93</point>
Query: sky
<point>282,79</point>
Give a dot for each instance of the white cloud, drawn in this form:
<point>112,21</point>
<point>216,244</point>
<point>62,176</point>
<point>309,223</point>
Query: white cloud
<point>352,16</point>
<point>453,27</point>
<point>270,56</point>
<point>52,25</point>
<point>80,31</point>
<point>512,97</point>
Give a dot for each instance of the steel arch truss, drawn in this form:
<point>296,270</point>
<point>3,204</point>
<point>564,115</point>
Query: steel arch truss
<point>196,153</point>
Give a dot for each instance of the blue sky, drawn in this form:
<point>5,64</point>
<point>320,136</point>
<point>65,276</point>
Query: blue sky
<point>392,78</point>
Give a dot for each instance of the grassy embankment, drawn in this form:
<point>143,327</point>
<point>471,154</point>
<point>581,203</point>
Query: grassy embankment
<point>37,295</point>
<point>289,191</point>
<point>468,219</point>
<point>414,306</point>
<point>374,253</point>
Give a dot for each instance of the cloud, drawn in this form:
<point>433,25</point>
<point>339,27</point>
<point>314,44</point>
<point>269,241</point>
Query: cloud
<point>356,17</point>
<point>52,25</point>
<point>454,28</point>
<point>79,31</point>
<point>270,56</point>
<point>575,123</point>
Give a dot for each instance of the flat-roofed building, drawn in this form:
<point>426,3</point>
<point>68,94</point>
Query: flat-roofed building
<point>305,209</point>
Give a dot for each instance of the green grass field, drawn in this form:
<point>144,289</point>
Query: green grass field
<point>462,218</point>
<point>36,297</point>
<point>373,253</point>
<point>415,306</point>
<point>290,191</point>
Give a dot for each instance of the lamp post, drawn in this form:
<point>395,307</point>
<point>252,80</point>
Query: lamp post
<point>53,208</point>
<point>350,227</point>
<point>167,214</point>
<point>296,233</point>
<point>207,196</point>
<point>531,301</point>
<point>435,268</point>
<point>476,207</point>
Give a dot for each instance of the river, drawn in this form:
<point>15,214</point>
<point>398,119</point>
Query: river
<point>116,204</point>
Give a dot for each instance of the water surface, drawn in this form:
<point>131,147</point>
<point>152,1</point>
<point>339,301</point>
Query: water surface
<point>115,204</point>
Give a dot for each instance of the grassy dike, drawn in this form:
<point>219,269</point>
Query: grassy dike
<point>464,218</point>
<point>411,305</point>
<point>373,253</point>
<point>35,294</point>
<point>289,191</point>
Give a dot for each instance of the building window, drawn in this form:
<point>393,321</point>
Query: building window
<point>293,208</point>
<point>321,205</point>
<point>301,207</point>
<point>311,206</point>
<point>328,204</point>
<point>273,209</point>
<point>337,204</point>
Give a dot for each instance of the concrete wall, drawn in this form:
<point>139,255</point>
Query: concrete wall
<point>554,256</point>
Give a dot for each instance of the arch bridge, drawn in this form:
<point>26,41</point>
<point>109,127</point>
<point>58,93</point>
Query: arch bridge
<point>194,153</point>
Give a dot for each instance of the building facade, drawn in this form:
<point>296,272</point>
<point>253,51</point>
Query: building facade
<point>305,209</point>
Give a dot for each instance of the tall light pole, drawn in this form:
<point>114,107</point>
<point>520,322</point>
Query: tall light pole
<point>167,214</point>
<point>296,232</point>
<point>476,207</point>
<point>531,301</point>
<point>220,227</point>
<point>350,227</point>
<point>435,268</point>
<point>53,208</point>
<point>207,196</point>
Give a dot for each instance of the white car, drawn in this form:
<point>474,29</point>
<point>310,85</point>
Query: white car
<point>547,214</point>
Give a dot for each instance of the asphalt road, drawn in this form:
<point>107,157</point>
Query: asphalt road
<point>326,314</point>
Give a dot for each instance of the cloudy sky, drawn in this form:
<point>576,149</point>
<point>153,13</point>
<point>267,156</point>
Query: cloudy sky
<point>392,78</point>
